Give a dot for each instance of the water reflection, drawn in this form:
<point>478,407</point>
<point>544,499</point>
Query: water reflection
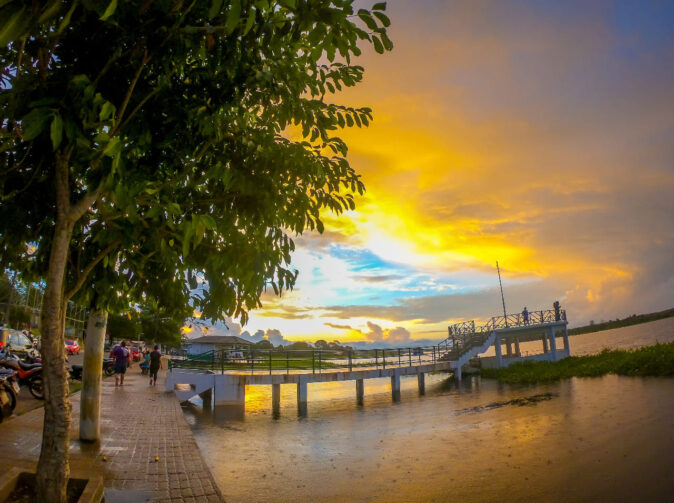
<point>592,439</point>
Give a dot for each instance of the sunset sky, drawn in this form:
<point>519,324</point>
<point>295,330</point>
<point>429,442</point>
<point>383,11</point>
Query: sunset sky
<point>539,134</point>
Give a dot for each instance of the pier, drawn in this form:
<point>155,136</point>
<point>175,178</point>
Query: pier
<point>221,380</point>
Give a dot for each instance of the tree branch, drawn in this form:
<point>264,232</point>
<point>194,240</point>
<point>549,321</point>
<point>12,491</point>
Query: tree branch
<point>90,266</point>
<point>129,92</point>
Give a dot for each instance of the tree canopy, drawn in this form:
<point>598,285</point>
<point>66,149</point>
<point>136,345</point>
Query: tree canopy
<point>199,136</point>
<point>167,152</point>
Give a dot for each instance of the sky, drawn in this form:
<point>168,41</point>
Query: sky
<point>539,134</point>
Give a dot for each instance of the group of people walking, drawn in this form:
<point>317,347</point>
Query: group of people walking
<point>122,357</point>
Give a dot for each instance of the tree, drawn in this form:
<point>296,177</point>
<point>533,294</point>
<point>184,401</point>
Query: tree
<point>263,344</point>
<point>123,326</point>
<point>153,133</point>
<point>321,344</point>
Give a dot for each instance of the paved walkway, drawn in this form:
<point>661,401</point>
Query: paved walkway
<point>138,424</point>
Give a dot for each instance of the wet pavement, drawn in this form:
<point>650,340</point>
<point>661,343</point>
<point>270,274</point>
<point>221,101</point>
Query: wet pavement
<point>147,451</point>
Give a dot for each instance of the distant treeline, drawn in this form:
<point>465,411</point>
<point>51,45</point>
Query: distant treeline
<point>635,319</point>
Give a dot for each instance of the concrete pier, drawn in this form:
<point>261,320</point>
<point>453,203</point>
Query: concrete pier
<point>276,400</point>
<point>395,387</point>
<point>360,391</point>
<point>302,398</point>
<point>207,399</point>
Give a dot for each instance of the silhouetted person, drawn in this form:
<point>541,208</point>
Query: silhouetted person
<point>557,310</point>
<point>525,315</point>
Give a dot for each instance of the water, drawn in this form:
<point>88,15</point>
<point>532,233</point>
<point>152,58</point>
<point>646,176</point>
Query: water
<point>598,439</point>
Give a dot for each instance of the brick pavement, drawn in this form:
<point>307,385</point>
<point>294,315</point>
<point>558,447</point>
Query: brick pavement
<point>139,423</point>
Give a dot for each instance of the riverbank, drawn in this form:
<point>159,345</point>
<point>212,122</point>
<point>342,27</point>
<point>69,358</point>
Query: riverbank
<point>656,360</point>
<point>635,319</point>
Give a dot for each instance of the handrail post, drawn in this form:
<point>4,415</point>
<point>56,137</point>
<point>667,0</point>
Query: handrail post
<point>270,362</point>
<point>320,361</point>
<point>409,355</point>
<point>350,361</point>
<point>376,360</point>
<point>252,361</point>
<point>399,365</point>
<point>434,354</point>
<point>383,358</point>
<point>287,363</point>
<point>313,361</point>
<point>222,362</point>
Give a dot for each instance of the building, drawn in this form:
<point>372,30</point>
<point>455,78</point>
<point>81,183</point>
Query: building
<point>208,343</point>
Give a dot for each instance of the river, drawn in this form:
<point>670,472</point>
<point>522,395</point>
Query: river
<point>582,439</point>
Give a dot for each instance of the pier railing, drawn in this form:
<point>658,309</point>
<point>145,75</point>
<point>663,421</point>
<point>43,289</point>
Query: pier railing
<point>251,360</point>
<point>466,335</point>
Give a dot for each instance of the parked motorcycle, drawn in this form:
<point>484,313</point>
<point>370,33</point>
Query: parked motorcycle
<point>29,374</point>
<point>10,380</point>
<point>9,388</point>
<point>75,371</point>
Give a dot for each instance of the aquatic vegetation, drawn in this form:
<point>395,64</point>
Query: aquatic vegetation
<point>656,360</point>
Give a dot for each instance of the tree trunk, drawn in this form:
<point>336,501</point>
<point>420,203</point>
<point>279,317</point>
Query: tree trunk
<point>53,467</point>
<point>90,401</point>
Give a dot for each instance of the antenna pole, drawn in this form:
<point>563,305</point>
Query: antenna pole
<point>505,316</point>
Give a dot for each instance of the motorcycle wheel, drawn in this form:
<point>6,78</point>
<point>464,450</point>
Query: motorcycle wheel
<point>35,387</point>
<point>12,395</point>
<point>109,370</point>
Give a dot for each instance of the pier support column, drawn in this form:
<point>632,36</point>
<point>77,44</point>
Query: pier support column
<point>302,398</point>
<point>517,347</point>
<point>360,391</point>
<point>457,374</point>
<point>206,398</point>
<point>509,348</point>
<point>395,387</point>
<point>544,340</point>
<point>230,390</point>
<point>566,340</point>
<point>553,343</point>
<point>276,400</point>
<point>421,378</point>
<point>497,349</point>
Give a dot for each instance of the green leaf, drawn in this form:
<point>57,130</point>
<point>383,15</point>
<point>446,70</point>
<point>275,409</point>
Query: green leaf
<point>379,6</point>
<point>367,19</point>
<point>113,147</point>
<point>13,27</point>
<point>112,6</point>
<point>56,131</point>
<point>216,5</point>
<point>34,123</point>
<point>378,45</point>
<point>249,21</point>
<point>233,16</point>
<point>383,18</point>
<point>107,110</point>
<point>388,45</point>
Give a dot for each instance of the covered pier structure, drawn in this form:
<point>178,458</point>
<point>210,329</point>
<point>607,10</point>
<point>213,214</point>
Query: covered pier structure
<point>221,380</point>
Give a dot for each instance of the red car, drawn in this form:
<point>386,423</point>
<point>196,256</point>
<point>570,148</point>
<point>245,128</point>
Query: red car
<point>72,347</point>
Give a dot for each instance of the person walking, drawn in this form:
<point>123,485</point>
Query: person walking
<point>155,365</point>
<point>525,315</point>
<point>121,355</point>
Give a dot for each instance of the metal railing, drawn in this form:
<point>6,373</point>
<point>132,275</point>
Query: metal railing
<point>316,361</point>
<point>465,336</point>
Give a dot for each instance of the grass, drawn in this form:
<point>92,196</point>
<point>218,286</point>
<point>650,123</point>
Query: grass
<point>657,360</point>
<point>635,319</point>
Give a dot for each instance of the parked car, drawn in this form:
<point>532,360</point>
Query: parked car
<point>72,347</point>
<point>20,343</point>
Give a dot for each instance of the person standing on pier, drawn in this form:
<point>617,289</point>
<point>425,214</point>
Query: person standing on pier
<point>155,365</point>
<point>557,310</point>
<point>525,315</point>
